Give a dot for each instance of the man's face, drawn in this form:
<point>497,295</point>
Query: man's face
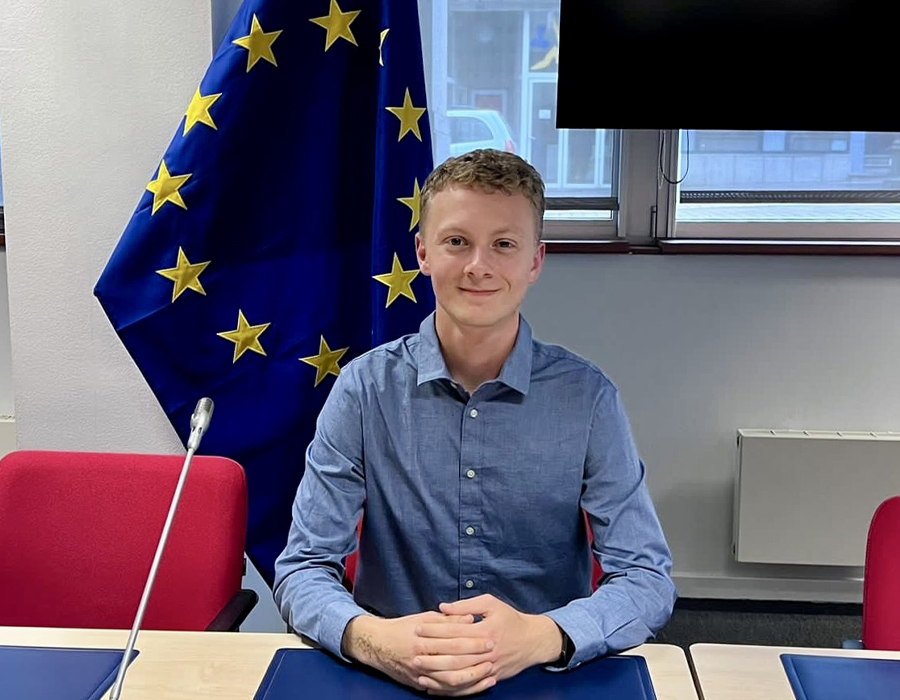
<point>481,253</point>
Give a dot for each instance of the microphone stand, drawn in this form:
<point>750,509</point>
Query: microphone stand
<point>193,443</point>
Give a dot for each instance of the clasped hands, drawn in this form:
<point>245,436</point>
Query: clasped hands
<point>447,652</point>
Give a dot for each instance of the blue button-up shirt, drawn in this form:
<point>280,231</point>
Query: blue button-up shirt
<point>471,494</point>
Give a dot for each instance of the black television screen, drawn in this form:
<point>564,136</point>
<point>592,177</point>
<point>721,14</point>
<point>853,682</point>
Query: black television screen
<point>830,65</point>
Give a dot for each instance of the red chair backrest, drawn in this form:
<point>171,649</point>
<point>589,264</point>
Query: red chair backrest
<point>596,571</point>
<point>78,532</point>
<point>881,581</point>
<point>350,562</point>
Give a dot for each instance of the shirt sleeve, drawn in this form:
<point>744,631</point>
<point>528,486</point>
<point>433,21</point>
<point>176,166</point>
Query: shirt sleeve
<point>308,586</point>
<point>637,596</point>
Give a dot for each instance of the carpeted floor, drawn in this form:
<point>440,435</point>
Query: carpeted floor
<point>779,623</point>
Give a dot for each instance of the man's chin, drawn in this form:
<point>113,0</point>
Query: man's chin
<point>479,319</point>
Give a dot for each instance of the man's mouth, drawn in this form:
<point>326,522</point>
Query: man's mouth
<point>479,292</point>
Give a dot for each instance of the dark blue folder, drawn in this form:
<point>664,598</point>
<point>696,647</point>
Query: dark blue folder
<point>39,673</point>
<point>842,678</point>
<point>297,674</point>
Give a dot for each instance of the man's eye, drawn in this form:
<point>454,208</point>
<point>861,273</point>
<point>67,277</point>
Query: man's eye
<point>456,241</point>
<point>505,244</point>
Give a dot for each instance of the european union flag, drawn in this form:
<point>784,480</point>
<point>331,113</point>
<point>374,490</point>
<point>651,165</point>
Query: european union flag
<point>275,239</point>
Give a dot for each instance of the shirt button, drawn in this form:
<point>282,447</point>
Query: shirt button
<point>470,583</point>
<point>474,413</point>
<point>470,530</point>
<point>471,473</point>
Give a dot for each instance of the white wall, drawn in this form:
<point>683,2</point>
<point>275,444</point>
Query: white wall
<point>701,346</point>
<point>7,422</point>
<point>91,93</point>
<point>6,382</point>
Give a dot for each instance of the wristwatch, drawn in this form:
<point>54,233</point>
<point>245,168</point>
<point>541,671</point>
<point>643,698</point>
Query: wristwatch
<point>565,654</point>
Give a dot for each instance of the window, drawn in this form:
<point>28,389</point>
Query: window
<point>491,70</point>
<point>780,184</point>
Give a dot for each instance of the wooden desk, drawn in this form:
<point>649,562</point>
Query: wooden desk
<point>174,665</point>
<point>230,666</point>
<point>669,671</point>
<point>738,672</point>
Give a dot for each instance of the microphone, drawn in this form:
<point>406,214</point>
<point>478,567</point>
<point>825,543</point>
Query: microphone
<point>199,423</point>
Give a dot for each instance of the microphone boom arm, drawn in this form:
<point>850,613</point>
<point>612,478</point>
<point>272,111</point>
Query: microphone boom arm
<point>198,426</point>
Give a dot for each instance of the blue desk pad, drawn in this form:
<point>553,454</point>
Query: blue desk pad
<point>36,673</point>
<point>299,674</point>
<point>842,678</point>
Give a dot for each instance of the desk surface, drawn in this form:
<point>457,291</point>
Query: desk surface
<point>738,672</point>
<point>230,666</point>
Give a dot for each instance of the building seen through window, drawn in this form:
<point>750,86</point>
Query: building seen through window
<point>791,160</point>
<point>800,176</point>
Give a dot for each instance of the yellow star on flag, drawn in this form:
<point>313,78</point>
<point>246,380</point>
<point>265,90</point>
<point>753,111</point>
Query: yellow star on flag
<point>398,280</point>
<point>414,203</point>
<point>258,44</point>
<point>165,188</point>
<point>337,25</point>
<point>184,275</point>
<point>198,111</point>
<point>409,117</point>
<point>245,337</point>
<point>384,33</point>
<point>326,362</point>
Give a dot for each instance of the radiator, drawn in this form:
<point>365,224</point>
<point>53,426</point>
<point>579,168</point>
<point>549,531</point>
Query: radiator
<point>806,497</point>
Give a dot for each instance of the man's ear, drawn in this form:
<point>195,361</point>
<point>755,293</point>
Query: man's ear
<point>537,263</point>
<point>422,255</point>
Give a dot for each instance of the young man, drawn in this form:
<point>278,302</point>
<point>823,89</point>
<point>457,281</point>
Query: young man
<point>475,451</point>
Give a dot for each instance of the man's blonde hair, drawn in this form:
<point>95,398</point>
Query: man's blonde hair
<point>490,171</point>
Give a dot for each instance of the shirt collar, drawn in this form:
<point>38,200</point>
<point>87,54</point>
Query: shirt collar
<point>430,360</point>
<point>516,370</point>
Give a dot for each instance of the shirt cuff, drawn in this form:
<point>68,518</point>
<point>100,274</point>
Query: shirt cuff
<point>587,634</point>
<point>335,619</point>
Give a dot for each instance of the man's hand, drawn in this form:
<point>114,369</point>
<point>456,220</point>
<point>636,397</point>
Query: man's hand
<point>519,640</point>
<point>458,663</point>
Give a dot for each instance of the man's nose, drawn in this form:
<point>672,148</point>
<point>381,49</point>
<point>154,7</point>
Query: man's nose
<point>478,264</point>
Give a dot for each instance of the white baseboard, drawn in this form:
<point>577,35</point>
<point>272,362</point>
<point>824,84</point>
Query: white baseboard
<point>847,590</point>
<point>7,435</point>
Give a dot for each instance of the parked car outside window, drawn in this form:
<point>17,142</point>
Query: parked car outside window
<point>478,128</point>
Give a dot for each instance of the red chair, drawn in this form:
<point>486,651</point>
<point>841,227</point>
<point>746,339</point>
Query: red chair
<point>78,532</point>
<point>881,581</point>
<point>350,561</point>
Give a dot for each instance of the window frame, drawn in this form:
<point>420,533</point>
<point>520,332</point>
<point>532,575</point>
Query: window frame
<point>645,217</point>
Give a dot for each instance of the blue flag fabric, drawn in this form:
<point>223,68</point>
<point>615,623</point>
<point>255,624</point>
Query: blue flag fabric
<point>275,240</point>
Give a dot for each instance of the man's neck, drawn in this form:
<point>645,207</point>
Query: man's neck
<point>475,355</point>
